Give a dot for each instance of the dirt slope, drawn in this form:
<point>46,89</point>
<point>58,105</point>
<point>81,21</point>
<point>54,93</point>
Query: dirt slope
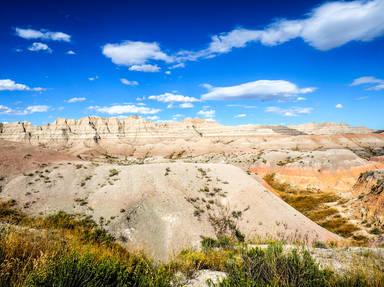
<point>163,207</point>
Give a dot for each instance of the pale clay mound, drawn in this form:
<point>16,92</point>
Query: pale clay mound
<point>150,206</point>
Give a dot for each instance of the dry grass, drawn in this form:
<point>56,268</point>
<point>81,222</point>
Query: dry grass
<point>315,205</point>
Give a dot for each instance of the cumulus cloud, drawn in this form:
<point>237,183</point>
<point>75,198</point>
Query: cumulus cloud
<point>207,113</point>
<point>374,84</point>
<point>149,68</point>
<point>71,52</point>
<point>339,106</point>
<point>289,112</point>
<point>10,85</point>
<point>136,55</point>
<point>37,46</point>
<point>76,100</point>
<point>261,89</point>
<point>125,109</point>
<point>168,72</point>
<point>240,116</point>
<point>27,111</point>
<point>93,78</point>
<point>31,34</point>
<point>173,98</point>
<point>128,82</point>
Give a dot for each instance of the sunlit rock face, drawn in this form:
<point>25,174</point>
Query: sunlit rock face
<point>92,130</point>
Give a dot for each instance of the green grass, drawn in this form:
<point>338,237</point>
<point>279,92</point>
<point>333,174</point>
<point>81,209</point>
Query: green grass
<point>72,250</point>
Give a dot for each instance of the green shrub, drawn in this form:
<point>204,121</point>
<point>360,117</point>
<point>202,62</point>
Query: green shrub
<point>273,267</point>
<point>86,270</point>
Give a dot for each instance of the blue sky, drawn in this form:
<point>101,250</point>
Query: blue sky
<point>237,62</point>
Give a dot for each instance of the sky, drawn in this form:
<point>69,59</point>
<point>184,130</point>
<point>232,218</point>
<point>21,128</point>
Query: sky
<point>235,62</point>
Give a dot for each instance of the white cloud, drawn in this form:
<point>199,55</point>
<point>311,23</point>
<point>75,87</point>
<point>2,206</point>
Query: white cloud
<point>10,85</point>
<point>173,98</point>
<point>71,52</point>
<point>328,26</point>
<point>75,100</point>
<point>374,84</point>
<point>42,34</point>
<point>339,106</point>
<point>186,105</point>
<point>36,109</point>
<point>125,109</point>
<point>289,112</point>
<point>37,46</point>
<point>128,82</point>
<point>177,66</point>
<point>94,78</point>
<point>136,55</point>
<point>207,113</point>
<point>261,89</point>
<point>167,72</point>
<point>28,110</point>
<point>145,68</point>
<point>240,116</point>
<point>241,106</point>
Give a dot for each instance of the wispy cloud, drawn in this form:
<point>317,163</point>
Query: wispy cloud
<point>261,89</point>
<point>173,98</point>
<point>27,111</point>
<point>184,102</point>
<point>207,113</point>
<point>289,112</point>
<point>242,106</point>
<point>240,116</point>
<point>10,85</point>
<point>374,84</point>
<point>76,100</point>
<point>125,109</point>
<point>128,82</point>
<point>149,68</point>
<point>42,34</point>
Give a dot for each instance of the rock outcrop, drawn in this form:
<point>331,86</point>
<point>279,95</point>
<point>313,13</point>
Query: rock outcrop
<point>369,193</point>
<point>137,135</point>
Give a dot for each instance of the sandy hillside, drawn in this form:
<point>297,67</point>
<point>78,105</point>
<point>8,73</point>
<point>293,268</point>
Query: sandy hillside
<point>162,208</point>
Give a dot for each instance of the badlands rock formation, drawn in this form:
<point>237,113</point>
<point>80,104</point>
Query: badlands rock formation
<point>162,186</point>
<point>369,193</point>
<point>135,134</point>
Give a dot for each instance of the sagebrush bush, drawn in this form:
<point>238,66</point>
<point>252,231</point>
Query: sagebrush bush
<point>273,267</point>
<point>86,270</point>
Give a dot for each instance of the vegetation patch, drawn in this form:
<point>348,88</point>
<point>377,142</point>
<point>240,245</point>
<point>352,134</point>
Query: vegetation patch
<point>315,205</point>
<point>72,250</point>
